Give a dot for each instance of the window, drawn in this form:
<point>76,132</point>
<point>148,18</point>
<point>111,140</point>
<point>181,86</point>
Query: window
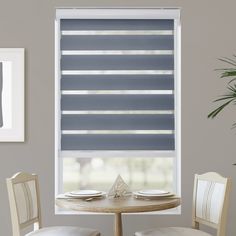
<point>117,98</point>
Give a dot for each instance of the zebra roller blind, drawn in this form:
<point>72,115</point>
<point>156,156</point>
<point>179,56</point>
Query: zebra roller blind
<point>117,84</point>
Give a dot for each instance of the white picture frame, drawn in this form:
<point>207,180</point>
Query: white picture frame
<point>12,97</point>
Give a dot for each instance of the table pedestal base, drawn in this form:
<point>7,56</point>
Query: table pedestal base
<point>118,224</point>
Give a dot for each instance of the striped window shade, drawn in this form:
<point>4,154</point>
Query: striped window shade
<point>117,85</point>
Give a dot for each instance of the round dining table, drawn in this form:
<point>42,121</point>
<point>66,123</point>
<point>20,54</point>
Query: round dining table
<point>117,206</point>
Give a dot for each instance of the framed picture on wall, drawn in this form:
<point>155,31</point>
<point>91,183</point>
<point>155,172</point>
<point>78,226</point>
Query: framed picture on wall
<point>12,95</point>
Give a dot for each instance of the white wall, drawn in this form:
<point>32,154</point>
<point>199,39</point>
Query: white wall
<point>208,32</point>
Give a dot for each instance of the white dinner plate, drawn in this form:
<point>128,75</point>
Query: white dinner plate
<point>152,196</point>
<point>155,192</point>
<point>83,196</point>
<point>85,192</point>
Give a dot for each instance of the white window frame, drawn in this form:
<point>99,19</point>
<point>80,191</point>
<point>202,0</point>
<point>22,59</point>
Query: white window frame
<point>119,13</point>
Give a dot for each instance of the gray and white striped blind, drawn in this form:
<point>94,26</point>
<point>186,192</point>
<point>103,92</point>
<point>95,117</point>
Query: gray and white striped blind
<point>117,84</point>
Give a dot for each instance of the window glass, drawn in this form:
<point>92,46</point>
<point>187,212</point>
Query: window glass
<point>100,173</point>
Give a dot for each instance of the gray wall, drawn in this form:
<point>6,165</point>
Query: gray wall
<point>208,32</point>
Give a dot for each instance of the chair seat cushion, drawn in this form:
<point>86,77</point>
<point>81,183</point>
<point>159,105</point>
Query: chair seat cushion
<point>172,231</point>
<point>64,231</point>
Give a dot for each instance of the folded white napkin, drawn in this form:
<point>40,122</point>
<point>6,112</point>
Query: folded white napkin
<point>119,188</point>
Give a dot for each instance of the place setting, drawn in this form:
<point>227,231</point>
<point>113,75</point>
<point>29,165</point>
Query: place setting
<point>152,194</point>
<point>86,195</point>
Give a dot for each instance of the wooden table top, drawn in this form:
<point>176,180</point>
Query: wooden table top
<point>119,205</point>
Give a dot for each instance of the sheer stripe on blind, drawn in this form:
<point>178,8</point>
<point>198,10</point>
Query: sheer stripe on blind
<point>117,85</point>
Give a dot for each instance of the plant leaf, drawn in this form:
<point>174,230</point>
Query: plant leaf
<point>224,98</point>
<point>226,69</point>
<point>228,61</point>
<point>228,74</point>
<point>233,126</point>
<point>215,112</point>
<point>231,80</point>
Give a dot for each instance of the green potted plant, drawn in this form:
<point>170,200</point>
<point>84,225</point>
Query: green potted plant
<point>229,98</point>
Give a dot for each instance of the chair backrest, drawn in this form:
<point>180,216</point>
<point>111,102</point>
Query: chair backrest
<point>210,201</point>
<point>23,193</point>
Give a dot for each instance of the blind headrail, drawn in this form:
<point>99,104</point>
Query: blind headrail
<point>117,13</point>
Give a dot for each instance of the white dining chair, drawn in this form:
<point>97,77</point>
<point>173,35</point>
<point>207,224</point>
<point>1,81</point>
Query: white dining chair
<point>210,204</point>
<point>23,193</point>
